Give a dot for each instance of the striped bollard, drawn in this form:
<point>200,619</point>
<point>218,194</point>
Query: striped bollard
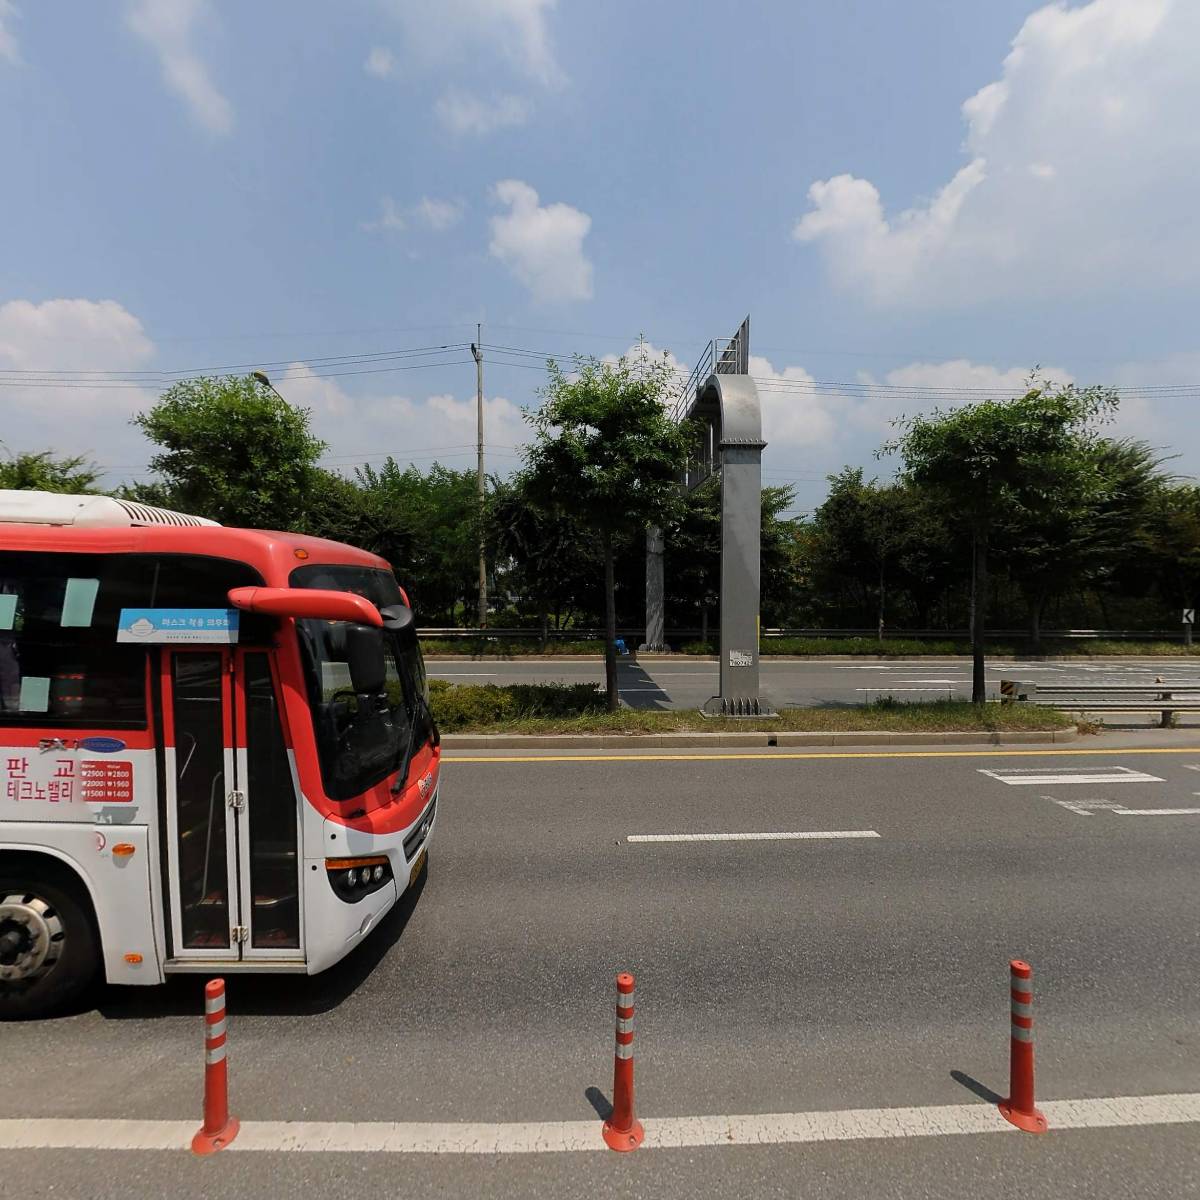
<point>622,1130</point>
<point>219,1128</point>
<point>1020,1108</point>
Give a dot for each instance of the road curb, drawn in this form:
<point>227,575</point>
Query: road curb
<point>682,741</point>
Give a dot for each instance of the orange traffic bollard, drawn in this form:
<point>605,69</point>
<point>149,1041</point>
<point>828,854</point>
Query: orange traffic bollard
<point>1020,1108</point>
<point>622,1130</point>
<point>219,1128</point>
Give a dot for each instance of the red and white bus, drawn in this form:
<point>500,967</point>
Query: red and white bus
<point>216,747</point>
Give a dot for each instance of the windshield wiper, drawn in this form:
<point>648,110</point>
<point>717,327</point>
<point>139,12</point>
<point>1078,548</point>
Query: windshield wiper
<point>411,748</point>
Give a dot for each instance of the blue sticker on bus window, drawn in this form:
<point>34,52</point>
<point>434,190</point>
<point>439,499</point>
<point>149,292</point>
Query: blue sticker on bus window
<point>178,625</point>
<point>102,745</point>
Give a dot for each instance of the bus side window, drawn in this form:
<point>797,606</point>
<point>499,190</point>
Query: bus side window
<point>60,663</point>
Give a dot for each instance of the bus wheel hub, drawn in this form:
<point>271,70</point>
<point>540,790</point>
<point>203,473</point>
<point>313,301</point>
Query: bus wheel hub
<point>31,937</point>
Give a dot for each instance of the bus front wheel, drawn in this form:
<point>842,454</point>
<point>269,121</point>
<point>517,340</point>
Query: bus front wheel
<point>49,951</point>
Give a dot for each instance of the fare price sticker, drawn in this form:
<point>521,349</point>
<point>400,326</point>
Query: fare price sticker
<point>41,779</point>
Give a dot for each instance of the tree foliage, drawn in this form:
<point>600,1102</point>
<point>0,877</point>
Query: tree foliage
<point>1000,460</point>
<point>607,453</point>
<point>546,561</point>
<point>232,450</point>
<point>1076,527</point>
<point>40,471</point>
<point>692,561</point>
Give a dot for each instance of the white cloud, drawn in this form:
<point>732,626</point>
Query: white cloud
<point>1080,176</point>
<point>390,219</point>
<point>922,386</point>
<point>91,414</point>
<point>438,215</point>
<point>462,30</point>
<point>8,41</point>
<point>432,213</point>
<point>649,352</point>
<point>464,112</point>
<point>380,62</point>
<point>65,335</point>
<point>168,27</point>
<point>542,245</point>
<point>794,413</point>
<point>440,427</point>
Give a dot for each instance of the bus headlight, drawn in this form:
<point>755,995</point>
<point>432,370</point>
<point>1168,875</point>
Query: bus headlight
<point>353,878</point>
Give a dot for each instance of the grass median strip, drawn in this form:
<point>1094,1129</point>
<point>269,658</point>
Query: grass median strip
<point>549,708</point>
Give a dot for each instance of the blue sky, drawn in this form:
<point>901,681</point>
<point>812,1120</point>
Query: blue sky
<point>916,204</point>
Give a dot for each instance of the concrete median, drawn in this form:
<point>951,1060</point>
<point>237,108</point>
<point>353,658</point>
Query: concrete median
<point>700,741</point>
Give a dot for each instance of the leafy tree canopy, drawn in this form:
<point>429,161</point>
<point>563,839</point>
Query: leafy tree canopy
<point>41,472</point>
<point>607,452</point>
<point>232,450</point>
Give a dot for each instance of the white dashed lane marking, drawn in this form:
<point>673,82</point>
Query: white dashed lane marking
<point>804,836</point>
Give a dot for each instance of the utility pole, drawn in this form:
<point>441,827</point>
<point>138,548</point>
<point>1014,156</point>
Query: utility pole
<point>477,354</point>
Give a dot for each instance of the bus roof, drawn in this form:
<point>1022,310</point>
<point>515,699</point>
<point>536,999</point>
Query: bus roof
<point>28,522</point>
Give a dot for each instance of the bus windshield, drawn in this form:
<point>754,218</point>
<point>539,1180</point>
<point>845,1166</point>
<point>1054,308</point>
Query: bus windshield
<point>360,741</point>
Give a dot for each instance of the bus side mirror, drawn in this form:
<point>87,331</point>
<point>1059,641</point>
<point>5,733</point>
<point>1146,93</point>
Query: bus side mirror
<point>397,617</point>
<point>364,657</point>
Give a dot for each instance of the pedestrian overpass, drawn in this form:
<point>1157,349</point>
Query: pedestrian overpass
<point>721,397</point>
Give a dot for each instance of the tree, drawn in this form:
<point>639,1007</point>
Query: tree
<point>607,452</point>
<point>995,459</point>
<point>42,472</point>
<point>878,550</point>
<point>693,555</point>
<point>1165,551</point>
<point>234,451</point>
<point>1088,531</point>
<point>429,531</point>
<point>544,558</point>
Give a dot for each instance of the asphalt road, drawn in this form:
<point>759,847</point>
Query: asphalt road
<point>772,977</point>
<point>661,683</point>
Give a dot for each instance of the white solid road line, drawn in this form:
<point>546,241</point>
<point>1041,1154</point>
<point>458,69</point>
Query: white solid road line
<point>541,1137</point>
<point>885,687</point>
<point>805,836</point>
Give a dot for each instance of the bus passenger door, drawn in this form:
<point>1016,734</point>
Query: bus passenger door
<point>268,819</point>
<point>232,809</point>
<point>201,794</point>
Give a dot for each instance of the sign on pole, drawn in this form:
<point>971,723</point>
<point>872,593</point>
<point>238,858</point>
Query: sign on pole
<point>1189,616</point>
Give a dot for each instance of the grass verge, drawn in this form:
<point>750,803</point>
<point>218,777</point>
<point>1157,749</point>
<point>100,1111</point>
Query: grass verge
<point>579,708</point>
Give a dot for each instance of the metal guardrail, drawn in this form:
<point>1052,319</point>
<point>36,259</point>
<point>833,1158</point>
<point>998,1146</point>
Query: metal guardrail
<point>1162,697</point>
<point>684,634</point>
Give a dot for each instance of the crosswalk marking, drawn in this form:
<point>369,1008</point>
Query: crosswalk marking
<point>1040,776</point>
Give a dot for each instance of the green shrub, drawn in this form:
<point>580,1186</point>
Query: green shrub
<point>507,647</point>
<point>469,706</point>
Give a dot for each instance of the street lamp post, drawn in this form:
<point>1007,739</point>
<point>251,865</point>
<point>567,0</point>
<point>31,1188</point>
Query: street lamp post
<point>264,379</point>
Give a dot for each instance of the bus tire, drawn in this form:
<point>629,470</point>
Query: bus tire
<point>49,945</point>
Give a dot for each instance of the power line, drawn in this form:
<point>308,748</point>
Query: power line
<point>333,359</point>
<point>300,372</point>
<point>452,355</point>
